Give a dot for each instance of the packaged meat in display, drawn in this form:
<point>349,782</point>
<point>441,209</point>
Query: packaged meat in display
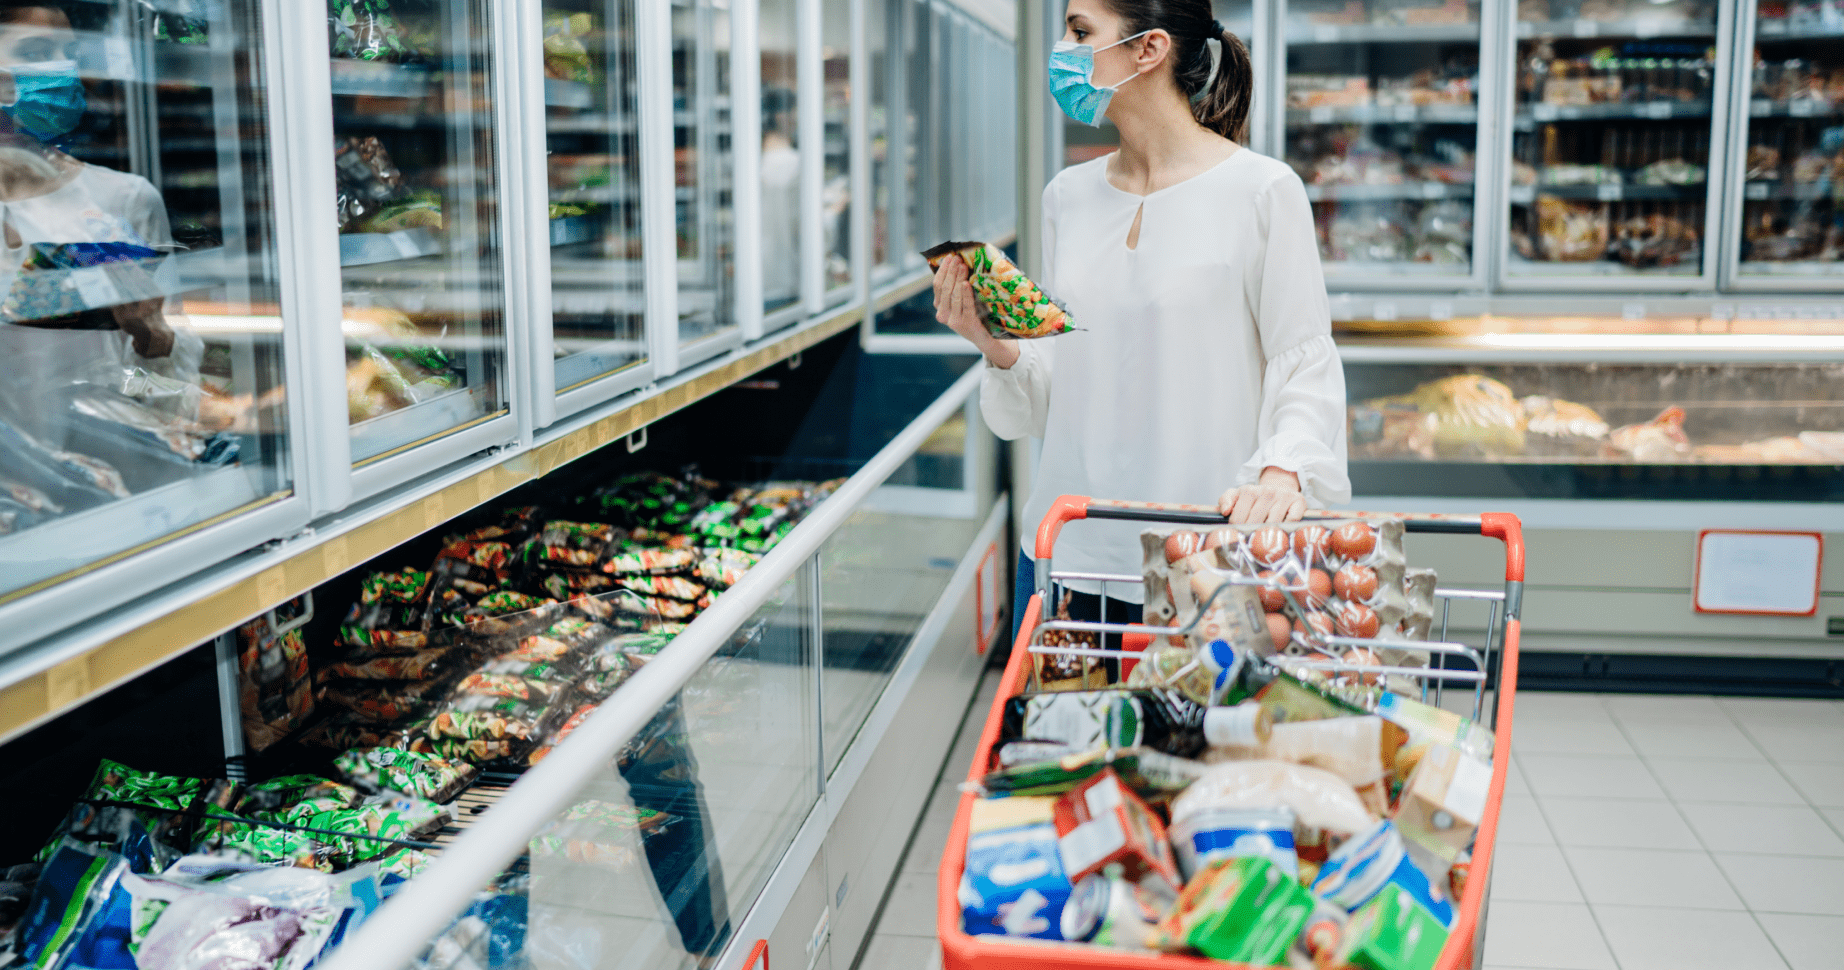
<point>1463,415</point>
<point>1562,428</point>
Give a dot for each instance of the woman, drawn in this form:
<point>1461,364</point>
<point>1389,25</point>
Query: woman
<point>1206,357</point>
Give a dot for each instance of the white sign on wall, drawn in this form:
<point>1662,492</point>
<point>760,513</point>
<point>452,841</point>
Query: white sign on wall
<point>1758,573</point>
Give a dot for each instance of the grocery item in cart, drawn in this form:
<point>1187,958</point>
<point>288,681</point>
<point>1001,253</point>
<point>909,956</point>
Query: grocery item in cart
<point>1375,858</point>
<point>1204,836</point>
<point>1010,305</point>
<point>1047,768</point>
<point>1101,824</point>
<point>1163,720</point>
<point>1015,884</point>
<point>1318,798</point>
<point>1392,932</point>
<point>1068,671</point>
<point>1244,910</point>
<point>1443,802</point>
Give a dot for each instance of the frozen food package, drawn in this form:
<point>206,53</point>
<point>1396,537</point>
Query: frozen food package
<point>395,769</point>
<point>1564,428</point>
<point>1466,415</point>
<point>1657,441</point>
<point>422,665</point>
<point>578,545</point>
<point>651,562</point>
<point>1572,232</point>
<point>1010,304</point>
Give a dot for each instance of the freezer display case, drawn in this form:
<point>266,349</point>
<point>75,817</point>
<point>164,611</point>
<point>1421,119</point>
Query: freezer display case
<point>782,214</point>
<point>1556,416</point>
<point>836,166</point>
<point>1618,131</point>
<point>144,394</point>
<point>703,159</point>
<point>1082,142</point>
<point>598,286</point>
<point>1787,231</point>
<point>1382,123</point>
<point>417,204</point>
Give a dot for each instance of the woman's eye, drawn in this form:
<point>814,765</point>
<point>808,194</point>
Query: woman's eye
<point>1080,34</point>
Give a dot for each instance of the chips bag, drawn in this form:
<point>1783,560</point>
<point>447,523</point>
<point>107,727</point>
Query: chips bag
<point>1011,306</point>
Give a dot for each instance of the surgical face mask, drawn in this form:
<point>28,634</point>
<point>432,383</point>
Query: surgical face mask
<point>1072,67</point>
<point>48,99</point>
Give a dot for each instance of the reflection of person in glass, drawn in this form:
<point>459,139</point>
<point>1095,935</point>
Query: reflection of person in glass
<point>780,200</point>
<point>661,775</point>
<point>77,305</point>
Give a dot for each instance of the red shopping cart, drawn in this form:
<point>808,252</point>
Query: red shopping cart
<point>1494,667</point>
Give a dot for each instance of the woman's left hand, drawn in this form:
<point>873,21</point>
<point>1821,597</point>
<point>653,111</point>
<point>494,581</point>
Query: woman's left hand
<point>1275,497</point>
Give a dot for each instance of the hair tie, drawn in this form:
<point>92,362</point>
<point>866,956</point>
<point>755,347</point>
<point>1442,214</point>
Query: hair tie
<point>1215,46</point>
<point>1216,28</point>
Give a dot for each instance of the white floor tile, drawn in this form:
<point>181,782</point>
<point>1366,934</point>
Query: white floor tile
<point>1553,936</point>
<point>1653,938</point>
<point>1691,739</point>
<point>1807,942</point>
<point>1794,741</point>
<point>1618,823</point>
<point>1757,710</point>
<point>1567,774</point>
<point>1547,706</point>
<point>1682,880</point>
<point>1776,829</point>
<point>931,839</point>
<point>1532,874</point>
<point>1716,780</point>
<point>1823,785</point>
<point>1515,784</point>
<point>1836,817</point>
<point>1589,735</point>
<point>1520,822</point>
<point>1787,884</point>
<point>1664,709</point>
<point>911,908</point>
<point>888,952</point>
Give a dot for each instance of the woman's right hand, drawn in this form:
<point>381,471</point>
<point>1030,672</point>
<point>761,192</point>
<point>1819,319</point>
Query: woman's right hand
<point>955,308</point>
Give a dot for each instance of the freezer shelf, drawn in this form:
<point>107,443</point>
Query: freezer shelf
<point>1382,124</point>
<point>1616,144</point>
<point>1789,226</point>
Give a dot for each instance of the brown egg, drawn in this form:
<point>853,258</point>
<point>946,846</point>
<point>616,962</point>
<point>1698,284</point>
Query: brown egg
<point>1280,630</point>
<point>1181,544</point>
<point>1319,585</point>
<point>1272,599</point>
<point>1355,582</point>
<point>1358,620</point>
<point>1228,539</point>
<point>1361,657</point>
<point>1354,540</point>
<point>1311,543</point>
<point>1316,624</point>
<point>1269,546</point>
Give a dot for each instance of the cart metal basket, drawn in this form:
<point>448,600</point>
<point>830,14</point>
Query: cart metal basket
<point>1493,669</point>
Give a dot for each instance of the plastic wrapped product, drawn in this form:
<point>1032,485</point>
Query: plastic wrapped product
<point>267,799</point>
<point>478,560</point>
<point>423,665</point>
<point>575,720</point>
<point>371,703</point>
<point>1011,306</point>
<point>1204,836</point>
<point>266,917</point>
<point>1371,860</point>
<point>1392,932</point>
<point>1014,883</point>
<point>269,846</point>
<point>405,586</point>
<point>81,914</point>
<point>404,862</point>
<point>721,569</point>
<point>670,587</point>
<point>1356,749</point>
<point>114,781</point>
<point>1319,798</point>
<point>576,545</point>
<point>1443,802</point>
<point>569,584</point>
<point>1051,769</point>
<point>650,562</point>
<point>410,772</point>
<point>1244,910</point>
<point>491,684</point>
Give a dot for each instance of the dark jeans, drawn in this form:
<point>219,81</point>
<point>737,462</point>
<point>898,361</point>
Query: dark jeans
<point>1082,606</point>
<point>662,776</point>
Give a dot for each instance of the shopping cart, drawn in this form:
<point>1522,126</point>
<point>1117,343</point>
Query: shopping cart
<point>1494,667</point>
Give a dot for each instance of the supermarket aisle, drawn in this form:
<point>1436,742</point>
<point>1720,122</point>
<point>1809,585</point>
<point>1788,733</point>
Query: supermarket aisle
<point>1671,833</point>
<point>1640,833</point>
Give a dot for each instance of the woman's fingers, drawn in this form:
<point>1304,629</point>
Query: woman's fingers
<point>1261,504</point>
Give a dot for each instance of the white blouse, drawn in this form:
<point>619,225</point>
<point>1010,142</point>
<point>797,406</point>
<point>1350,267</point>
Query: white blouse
<point>1203,356</point>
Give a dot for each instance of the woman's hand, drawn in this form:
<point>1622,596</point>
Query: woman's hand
<point>1275,497</point>
<point>956,308</point>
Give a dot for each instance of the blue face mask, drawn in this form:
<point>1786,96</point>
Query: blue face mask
<point>1072,67</point>
<point>49,99</point>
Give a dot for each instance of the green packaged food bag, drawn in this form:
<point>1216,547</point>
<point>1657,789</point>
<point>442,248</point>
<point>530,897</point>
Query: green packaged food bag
<point>1392,932</point>
<point>1251,912</point>
<point>1011,306</point>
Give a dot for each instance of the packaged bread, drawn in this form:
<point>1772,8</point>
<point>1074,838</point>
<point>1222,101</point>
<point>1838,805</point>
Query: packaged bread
<point>1010,305</point>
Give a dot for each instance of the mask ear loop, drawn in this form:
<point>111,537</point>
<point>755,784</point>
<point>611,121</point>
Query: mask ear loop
<point>1216,60</point>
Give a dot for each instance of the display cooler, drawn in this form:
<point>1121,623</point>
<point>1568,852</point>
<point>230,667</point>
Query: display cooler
<point>737,789</point>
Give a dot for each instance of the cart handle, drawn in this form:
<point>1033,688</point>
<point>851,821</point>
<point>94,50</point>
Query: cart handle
<point>1068,508</point>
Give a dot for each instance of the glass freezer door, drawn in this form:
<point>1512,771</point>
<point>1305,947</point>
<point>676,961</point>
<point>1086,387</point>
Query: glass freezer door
<point>418,220</point>
<point>1382,124</point>
<point>1790,230</point>
<point>591,113</point>
<point>1616,110</point>
<point>140,323</point>
<point>702,163</point>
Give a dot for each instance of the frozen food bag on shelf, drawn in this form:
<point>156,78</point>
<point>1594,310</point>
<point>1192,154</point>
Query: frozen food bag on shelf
<point>410,772</point>
<point>1010,304</point>
<point>161,797</point>
<point>1015,884</point>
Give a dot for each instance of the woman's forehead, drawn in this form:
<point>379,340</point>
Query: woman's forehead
<point>1093,12</point>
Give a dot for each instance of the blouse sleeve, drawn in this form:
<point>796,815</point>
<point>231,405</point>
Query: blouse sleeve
<point>1302,422</point>
<point>1016,400</point>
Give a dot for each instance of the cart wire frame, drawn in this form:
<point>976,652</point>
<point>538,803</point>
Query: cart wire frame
<point>1495,664</point>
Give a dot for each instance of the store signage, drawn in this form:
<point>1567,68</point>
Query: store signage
<point>1758,573</point>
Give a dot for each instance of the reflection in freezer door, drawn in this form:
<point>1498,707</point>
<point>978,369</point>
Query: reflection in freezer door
<point>416,202</point>
<point>143,391</point>
<point>702,166</point>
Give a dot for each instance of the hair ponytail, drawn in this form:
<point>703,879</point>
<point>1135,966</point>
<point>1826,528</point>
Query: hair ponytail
<point>1223,106</point>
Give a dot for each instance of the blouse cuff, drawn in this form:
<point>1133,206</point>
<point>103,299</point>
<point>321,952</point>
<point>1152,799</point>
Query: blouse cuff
<point>1323,481</point>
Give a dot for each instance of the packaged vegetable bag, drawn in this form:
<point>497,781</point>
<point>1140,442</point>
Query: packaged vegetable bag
<point>1011,305</point>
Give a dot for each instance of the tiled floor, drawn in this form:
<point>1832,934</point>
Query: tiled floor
<point>1639,833</point>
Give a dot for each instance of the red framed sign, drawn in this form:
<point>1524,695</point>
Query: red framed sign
<point>1752,573</point>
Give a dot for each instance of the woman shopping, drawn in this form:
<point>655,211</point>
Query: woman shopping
<point>1204,370</point>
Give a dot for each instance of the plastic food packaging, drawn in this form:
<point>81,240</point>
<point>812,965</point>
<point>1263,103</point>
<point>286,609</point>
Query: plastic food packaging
<point>1161,719</point>
<point>1443,802</point>
<point>1011,305</point>
<point>423,665</point>
<point>395,769</point>
<point>1063,671</point>
<point>1244,910</point>
<point>1319,798</point>
<point>1356,749</point>
<point>1101,823</point>
<point>566,544</point>
<point>1392,932</point>
<point>1204,836</point>
<point>1154,775</point>
<point>114,781</point>
<point>1360,869</point>
<point>1014,883</point>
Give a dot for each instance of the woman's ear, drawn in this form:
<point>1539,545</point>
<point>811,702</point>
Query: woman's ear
<point>1154,48</point>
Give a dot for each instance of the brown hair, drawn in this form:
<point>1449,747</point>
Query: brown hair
<point>1224,108</point>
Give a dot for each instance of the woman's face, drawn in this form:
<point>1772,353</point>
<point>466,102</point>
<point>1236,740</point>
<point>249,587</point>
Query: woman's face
<point>33,34</point>
<point>1091,22</point>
